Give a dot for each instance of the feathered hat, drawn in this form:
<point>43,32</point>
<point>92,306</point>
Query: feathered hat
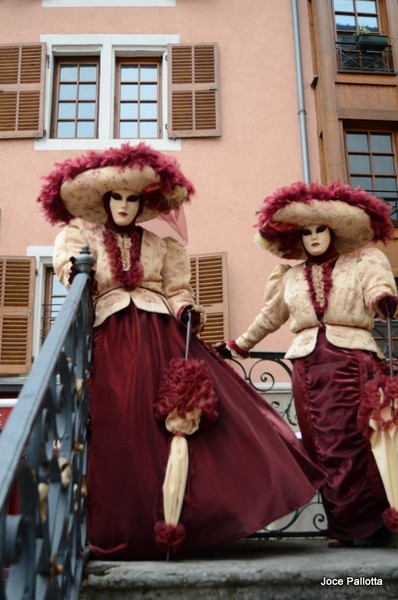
<point>77,186</point>
<point>355,217</point>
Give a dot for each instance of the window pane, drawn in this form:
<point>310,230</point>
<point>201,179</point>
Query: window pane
<point>85,129</point>
<point>66,110</point>
<point>68,73</point>
<point>364,182</point>
<point>129,92</point>
<point>383,164</point>
<point>149,110</point>
<point>381,142</point>
<point>366,6</point>
<point>345,22</point>
<point>386,184</point>
<point>55,294</point>
<point>86,110</point>
<point>88,73</point>
<point>359,163</point>
<point>148,130</point>
<point>129,110</point>
<point>87,91</point>
<point>149,92</point>
<point>58,289</point>
<point>67,91</point>
<point>357,142</point>
<point>369,22</point>
<point>66,130</point>
<point>149,73</point>
<point>58,294</point>
<point>129,73</point>
<point>128,130</point>
<point>344,5</point>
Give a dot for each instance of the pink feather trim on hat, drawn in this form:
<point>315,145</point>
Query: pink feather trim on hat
<point>127,157</point>
<point>355,216</point>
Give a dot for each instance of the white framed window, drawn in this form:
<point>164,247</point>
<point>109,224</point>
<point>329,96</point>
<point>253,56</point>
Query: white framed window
<point>108,50</point>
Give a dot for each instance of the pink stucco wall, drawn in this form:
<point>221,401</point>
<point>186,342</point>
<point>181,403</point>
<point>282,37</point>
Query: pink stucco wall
<point>258,151</point>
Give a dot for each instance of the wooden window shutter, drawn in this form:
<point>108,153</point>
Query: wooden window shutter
<point>22,74</point>
<point>193,91</point>
<point>17,276</point>
<point>209,284</point>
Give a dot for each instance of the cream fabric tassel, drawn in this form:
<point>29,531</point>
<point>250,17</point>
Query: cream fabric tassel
<point>177,465</point>
<point>175,480</point>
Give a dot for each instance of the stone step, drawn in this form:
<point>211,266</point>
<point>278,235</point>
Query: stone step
<point>252,569</point>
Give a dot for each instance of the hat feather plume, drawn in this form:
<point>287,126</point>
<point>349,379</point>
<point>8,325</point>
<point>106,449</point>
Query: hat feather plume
<point>377,210</point>
<point>126,156</point>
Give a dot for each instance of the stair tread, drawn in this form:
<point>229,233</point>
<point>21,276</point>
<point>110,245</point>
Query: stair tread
<point>283,564</point>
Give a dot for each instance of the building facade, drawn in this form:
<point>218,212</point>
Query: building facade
<point>248,96</point>
<point>354,56</point>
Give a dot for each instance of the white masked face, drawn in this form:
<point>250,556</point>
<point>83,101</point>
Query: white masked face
<point>316,239</point>
<point>124,206</point>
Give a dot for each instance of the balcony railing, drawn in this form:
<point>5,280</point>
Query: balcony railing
<point>393,203</point>
<point>390,198</point>
<point>43,461</point>
<point>353,59</point>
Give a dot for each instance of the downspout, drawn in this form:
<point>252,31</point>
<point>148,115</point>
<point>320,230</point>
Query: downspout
<point>300,93</point>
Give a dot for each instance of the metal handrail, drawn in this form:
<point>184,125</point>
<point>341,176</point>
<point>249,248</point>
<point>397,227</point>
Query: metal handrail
<point>43,460</point>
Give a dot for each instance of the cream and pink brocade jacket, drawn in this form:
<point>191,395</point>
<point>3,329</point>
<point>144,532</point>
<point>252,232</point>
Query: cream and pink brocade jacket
<point>359,279</point>
<point>164,287</point>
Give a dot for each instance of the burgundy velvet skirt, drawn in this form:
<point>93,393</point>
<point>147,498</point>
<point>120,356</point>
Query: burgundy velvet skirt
<point>246,468</point>
<point>328,387</point>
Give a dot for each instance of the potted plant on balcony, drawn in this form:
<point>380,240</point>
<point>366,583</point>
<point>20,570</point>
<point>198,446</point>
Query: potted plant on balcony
<point>366,39</point>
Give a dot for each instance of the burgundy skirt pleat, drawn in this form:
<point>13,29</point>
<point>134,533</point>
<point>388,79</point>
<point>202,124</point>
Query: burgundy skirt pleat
<point>245,470</point>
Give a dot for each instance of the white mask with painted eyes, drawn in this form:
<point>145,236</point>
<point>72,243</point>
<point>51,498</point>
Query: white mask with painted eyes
<point>124,206</point>
<point>316,239</point>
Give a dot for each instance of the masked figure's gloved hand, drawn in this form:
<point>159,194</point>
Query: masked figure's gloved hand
<point>387,306</point>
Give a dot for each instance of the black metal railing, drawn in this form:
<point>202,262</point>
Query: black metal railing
<point>390,198</point>
<point>350,58</point>
<point>380,333</point>
<point>43,461</point>
<point>270,374</point>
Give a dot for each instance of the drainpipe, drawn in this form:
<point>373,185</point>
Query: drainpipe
<point>300,92</point>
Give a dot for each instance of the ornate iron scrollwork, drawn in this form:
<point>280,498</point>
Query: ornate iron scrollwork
<point>265,371</point>
<point>43,460</point>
